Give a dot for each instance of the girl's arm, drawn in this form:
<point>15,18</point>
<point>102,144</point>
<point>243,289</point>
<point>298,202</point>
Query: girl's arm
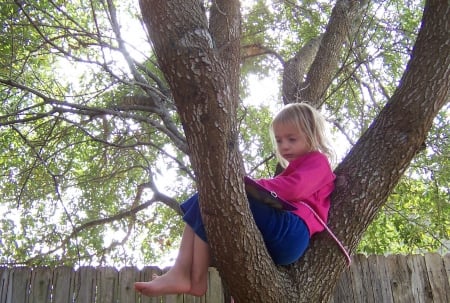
<point>301,181</point>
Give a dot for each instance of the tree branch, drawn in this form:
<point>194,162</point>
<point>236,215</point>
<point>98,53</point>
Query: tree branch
<point>326,61</point>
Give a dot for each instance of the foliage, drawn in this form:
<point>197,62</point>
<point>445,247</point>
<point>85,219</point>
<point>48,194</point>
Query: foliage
<point>416,217</point>
<point>84,166</point>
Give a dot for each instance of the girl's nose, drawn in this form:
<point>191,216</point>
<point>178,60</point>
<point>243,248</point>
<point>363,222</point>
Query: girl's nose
<point>283,145</point>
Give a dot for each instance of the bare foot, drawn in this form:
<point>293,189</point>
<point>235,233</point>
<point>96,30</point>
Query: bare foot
<point>168,283</point>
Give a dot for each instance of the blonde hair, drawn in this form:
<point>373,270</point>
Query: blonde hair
<point>308,121</point>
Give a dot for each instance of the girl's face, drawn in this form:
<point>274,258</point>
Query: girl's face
<point>291,143</point>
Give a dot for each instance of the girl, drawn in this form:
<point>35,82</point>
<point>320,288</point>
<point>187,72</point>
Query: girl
<point>298,133</point>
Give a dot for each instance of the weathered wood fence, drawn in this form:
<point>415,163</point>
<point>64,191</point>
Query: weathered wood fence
<point>377,279</point>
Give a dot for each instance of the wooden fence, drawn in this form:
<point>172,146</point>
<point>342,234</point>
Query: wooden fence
<point>395,279</point>
<point>377,279</point>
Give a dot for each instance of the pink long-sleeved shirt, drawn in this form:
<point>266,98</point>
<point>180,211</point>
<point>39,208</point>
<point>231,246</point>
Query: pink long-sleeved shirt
<point>307,179</point>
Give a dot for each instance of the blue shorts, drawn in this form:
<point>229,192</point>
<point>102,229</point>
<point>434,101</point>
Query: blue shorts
<point>286,235</point>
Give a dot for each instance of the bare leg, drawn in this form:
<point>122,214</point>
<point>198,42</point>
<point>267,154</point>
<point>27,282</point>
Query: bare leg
<point>199,271</point>
<point>188,274</point>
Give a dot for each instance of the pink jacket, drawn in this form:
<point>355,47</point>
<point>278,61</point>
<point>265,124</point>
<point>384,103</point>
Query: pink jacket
<point>308,179</point>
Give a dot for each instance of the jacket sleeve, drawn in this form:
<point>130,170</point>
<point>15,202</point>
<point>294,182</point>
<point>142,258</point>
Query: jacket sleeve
<point>302,181</point>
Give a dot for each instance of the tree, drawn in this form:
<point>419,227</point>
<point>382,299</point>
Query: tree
<point>195,58</point>
<point>72,137</point>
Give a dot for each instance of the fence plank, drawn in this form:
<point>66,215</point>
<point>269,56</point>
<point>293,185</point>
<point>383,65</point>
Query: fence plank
<point>446,259</point>
<point>127,277</point>
<point>63,284</point>
<point>85,284</point>
<point>400,279</point>
<point>107,285</point>
<point>215,288</point>
<point>372,279</point>
<point>382,290</point>
<point>41,285</point>
<point>437,277</point>
<point>368,280</point>
<point>420,285</point>
<point>4,279</point>
<point>173,299</point>
<point>357,279</point>
<point>18,285</point>
<point>190,299</point>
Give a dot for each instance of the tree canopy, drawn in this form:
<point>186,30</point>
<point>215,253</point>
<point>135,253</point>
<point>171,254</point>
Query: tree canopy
<point>95,151</point>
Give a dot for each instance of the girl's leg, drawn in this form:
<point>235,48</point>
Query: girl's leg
<point>286,236</point>
<point>187,275</point>
<point>200,264</point>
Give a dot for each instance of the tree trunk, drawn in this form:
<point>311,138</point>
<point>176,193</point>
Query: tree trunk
<point>201,64</point>
<point>203,75</point>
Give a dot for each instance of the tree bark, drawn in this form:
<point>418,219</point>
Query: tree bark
<point>201,67</point>
<point>324,66</point>
<point>296,68</point>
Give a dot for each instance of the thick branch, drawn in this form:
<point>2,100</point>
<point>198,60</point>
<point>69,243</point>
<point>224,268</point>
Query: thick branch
<point>296,68</point>
<point>204,82</point>
<point>373,167</point>
<point>257,49</point>
<point>326,61</point>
